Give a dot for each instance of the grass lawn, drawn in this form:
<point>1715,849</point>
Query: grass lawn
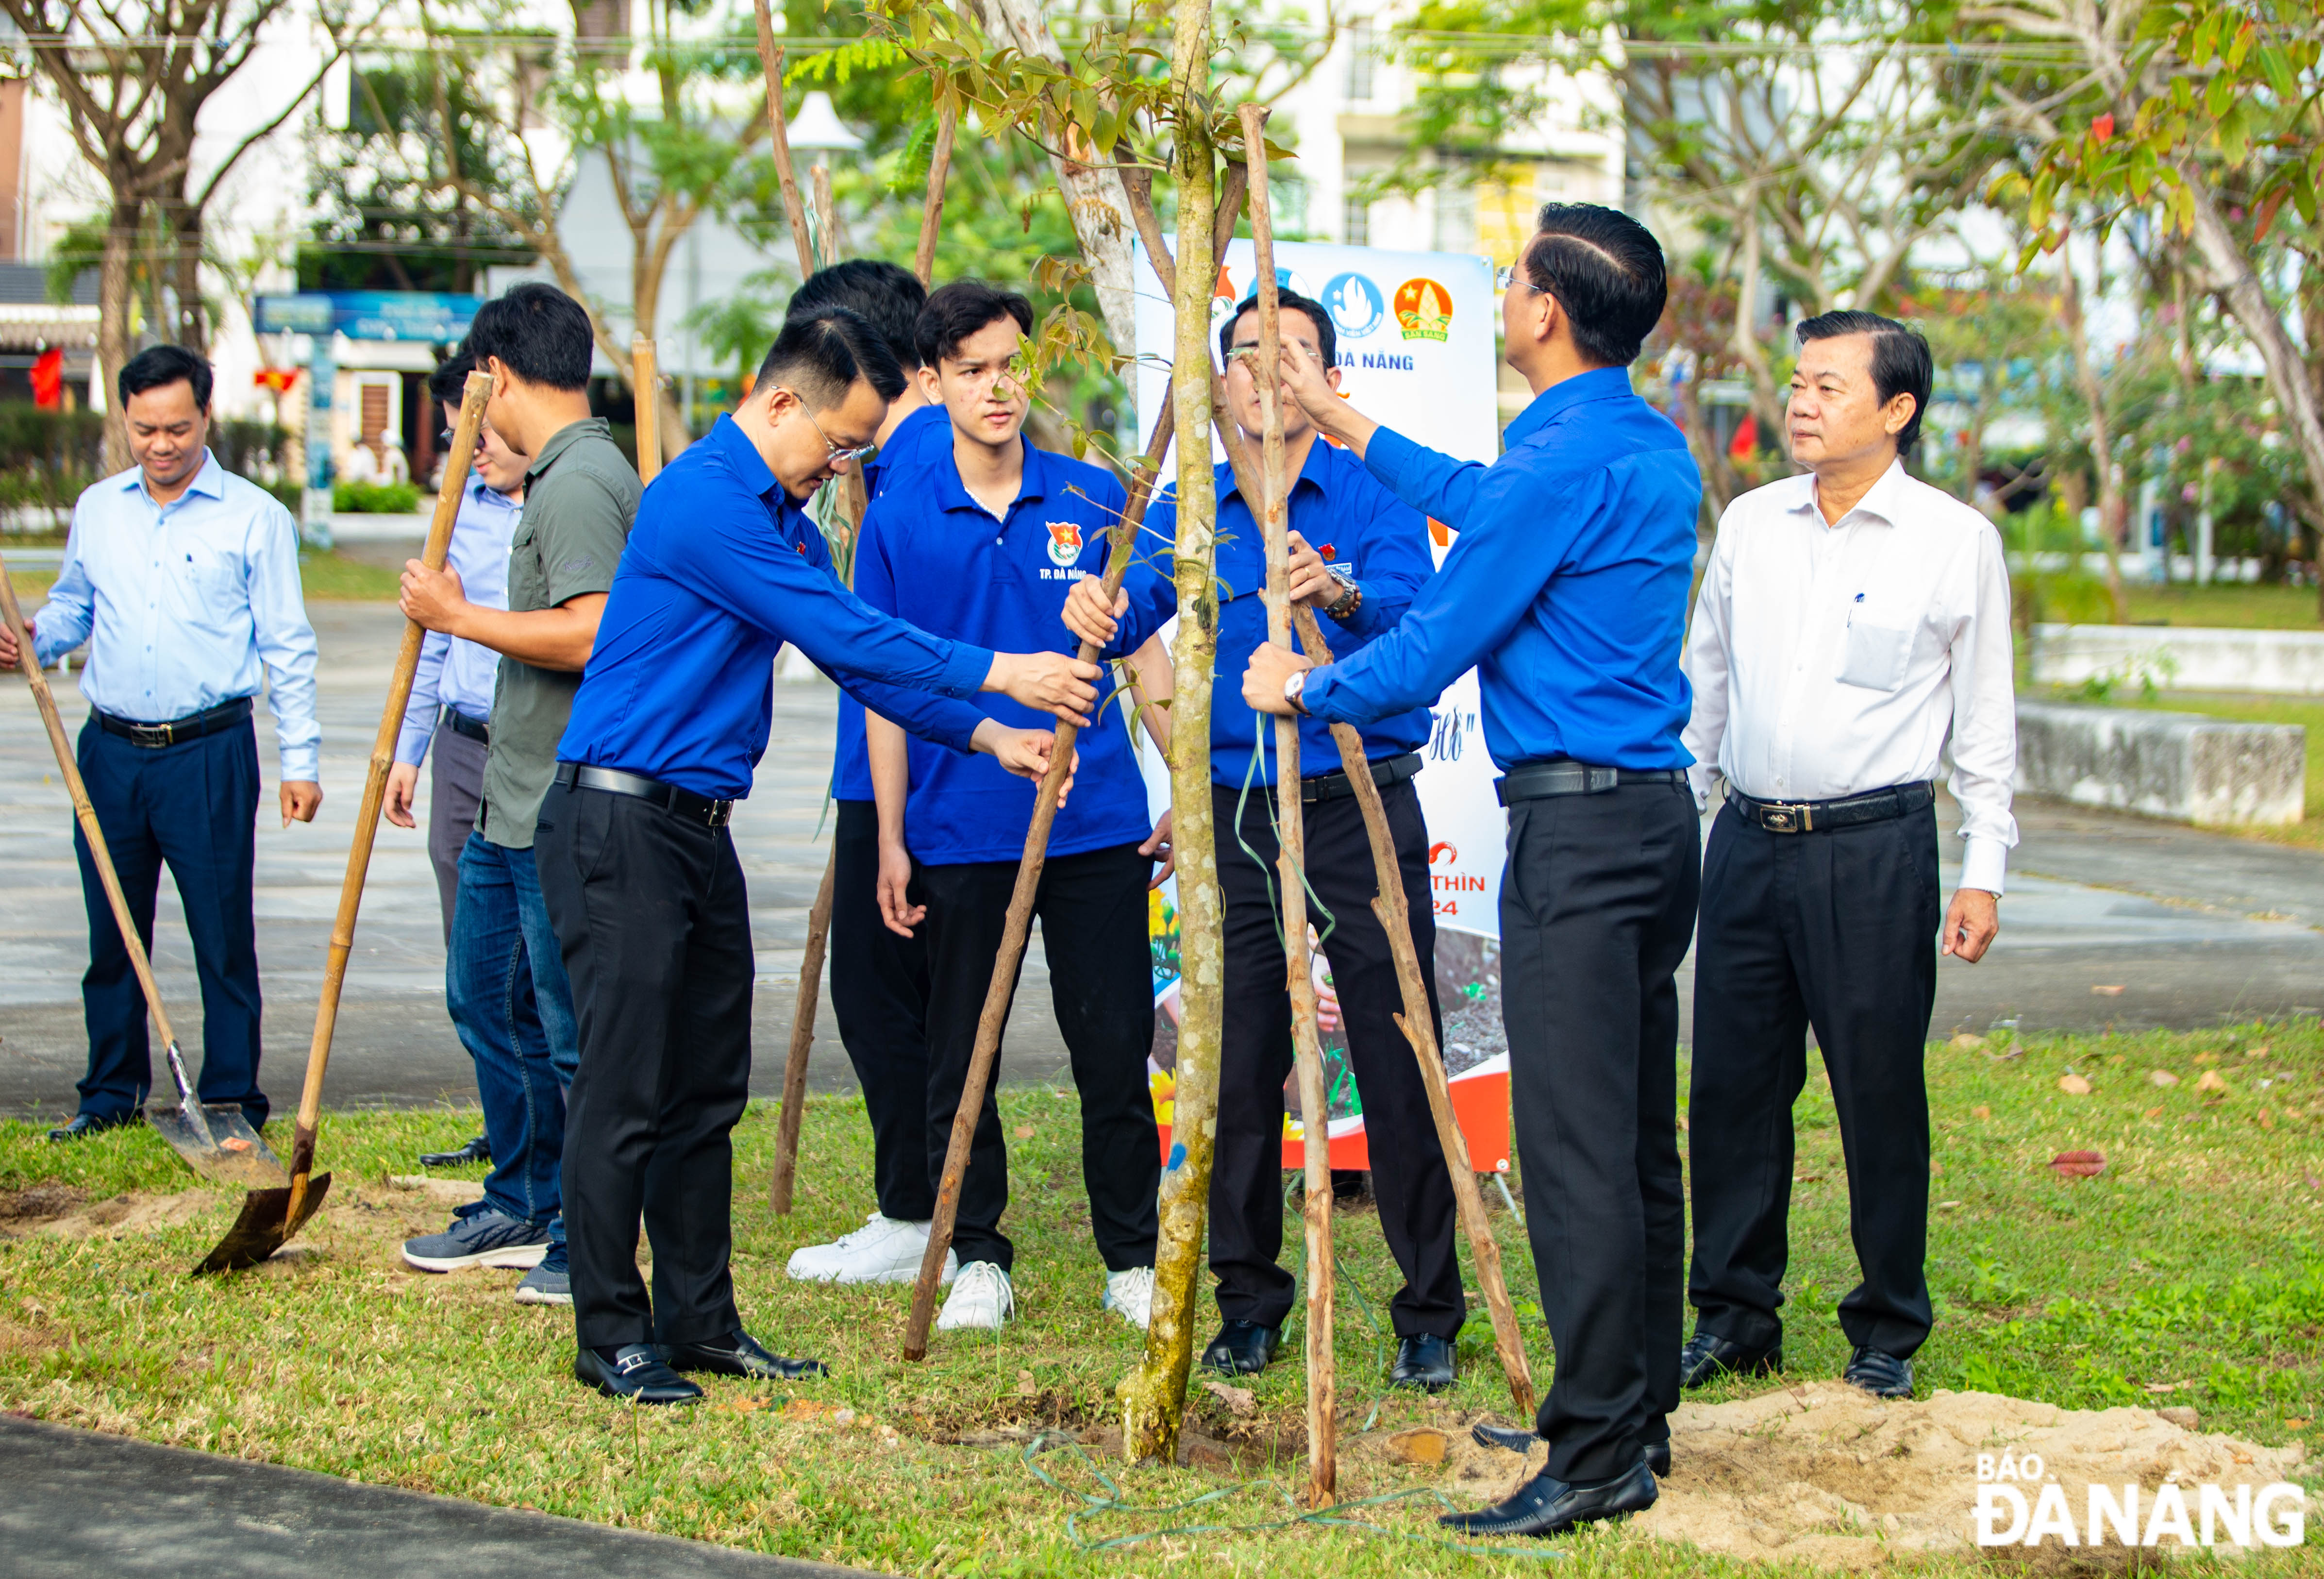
<point>2255,606</point>
<point>2194,1261</point>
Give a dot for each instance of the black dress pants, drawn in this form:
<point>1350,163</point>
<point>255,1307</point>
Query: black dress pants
<point>1409,1182</point>
<point>1837,930</point>
<point>1093,913</point>
<point>655,925</point>
<point>879,996</point>
<point>1597,907</point>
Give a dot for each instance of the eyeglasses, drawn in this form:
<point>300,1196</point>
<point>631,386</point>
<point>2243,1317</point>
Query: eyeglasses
<point>836,456</point>
<point>1508,276</point>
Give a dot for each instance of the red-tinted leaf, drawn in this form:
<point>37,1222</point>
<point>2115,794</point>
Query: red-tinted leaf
<point>2078,1164</point>
<point>2102,128</point>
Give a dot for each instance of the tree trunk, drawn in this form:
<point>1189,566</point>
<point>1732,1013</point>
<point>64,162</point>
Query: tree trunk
<point>114,289</point>
<point>185,259</point>
<point>2110,480</point>
<point>1154,1395</point>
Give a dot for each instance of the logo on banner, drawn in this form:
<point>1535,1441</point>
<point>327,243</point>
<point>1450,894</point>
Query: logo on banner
<point>1425,308</point>
<point>1225,298</point>
<point>1355,304</point>
<point>1064,543</point>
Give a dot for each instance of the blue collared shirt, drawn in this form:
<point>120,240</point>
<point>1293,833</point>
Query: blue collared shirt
<point>454,671</point>
<point>721,569</point>
<point>1566,588</point>
<point>1366,534</point>
<point>920,438</point>
<point>182,603</point>
<point>933,554</point>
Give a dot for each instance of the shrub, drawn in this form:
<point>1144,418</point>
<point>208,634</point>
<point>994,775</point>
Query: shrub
<point>376,498</point>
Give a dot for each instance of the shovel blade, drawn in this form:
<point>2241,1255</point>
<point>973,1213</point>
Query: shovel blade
<point>223,1147</point>
<point>262,1230</point>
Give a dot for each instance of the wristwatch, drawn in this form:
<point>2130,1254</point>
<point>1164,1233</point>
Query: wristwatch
<point>1350,599</point>
<point>1292,691</point>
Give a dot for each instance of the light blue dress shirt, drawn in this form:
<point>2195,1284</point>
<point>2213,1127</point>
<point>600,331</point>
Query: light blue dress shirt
<point>455,671</point>
<point>181,604</point>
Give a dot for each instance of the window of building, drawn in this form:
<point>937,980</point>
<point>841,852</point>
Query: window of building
<point>1356,223</point>
<point>1361,59</point>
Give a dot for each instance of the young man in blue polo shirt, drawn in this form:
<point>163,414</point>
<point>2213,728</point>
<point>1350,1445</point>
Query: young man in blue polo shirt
<point>638,868</point>
<point>985,546</point>
<point>1358,554</point>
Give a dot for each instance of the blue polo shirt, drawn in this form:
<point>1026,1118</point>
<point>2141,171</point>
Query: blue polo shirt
<point>721,569</point>
<point>933,554</point>
<point>1366,534</point>
<point>918,438</point>
<point>1566,588</point>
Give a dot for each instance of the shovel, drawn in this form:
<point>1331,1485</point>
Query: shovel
<point>216,1141</point>
<point>271,1216</point>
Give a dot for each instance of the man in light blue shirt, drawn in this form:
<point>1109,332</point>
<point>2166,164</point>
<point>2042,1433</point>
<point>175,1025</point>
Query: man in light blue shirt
<point>183,579</point>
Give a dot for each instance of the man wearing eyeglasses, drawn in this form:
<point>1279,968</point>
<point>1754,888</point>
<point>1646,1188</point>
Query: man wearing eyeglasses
<point>985,546</point>
<point>580,498</point>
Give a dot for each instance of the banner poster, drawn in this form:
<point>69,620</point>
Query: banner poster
<point>1416,350</point>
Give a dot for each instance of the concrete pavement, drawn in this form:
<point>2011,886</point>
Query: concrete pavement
<point>2196,928</point>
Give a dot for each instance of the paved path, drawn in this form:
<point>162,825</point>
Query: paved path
<point>82,1503</point>
<point>2196,928</point>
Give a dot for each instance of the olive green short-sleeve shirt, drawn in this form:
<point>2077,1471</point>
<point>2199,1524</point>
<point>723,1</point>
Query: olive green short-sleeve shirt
<point>580,498</point>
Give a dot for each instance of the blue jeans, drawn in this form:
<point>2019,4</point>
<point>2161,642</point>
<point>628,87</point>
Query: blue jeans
<point>505,983</point>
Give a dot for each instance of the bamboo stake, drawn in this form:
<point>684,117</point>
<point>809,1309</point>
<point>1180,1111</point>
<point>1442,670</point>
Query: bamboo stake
<point>645,392</point>
<point>826,214</point>
<point>771,62</point>
<point>1418,1026</point>
<point>1291,850</point>
<point>782,1182</point>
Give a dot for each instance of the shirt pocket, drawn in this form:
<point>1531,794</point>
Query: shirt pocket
<point>1875,657</point>
<point>213,577</point>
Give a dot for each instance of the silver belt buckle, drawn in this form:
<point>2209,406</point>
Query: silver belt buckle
<point>1788,819</point>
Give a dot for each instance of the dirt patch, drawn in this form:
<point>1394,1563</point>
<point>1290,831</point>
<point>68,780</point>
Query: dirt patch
<point>132,1213</point>
<point>27,1208</point>
<point>15,1338</point>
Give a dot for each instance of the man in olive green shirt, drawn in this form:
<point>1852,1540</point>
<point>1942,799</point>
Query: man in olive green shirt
<point>580,498</point>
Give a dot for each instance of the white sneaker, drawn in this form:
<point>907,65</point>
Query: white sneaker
<point>885,1249</point>
<point>980,1299</point>
<point>1131,1295</point>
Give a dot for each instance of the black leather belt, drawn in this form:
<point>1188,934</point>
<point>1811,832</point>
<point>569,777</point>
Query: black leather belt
<point>1539,780</point>
<point>459,723</point>
<point>677,802</point>
<point>177,731</point>
<point>1818,817</point>
<point>1339,786</point>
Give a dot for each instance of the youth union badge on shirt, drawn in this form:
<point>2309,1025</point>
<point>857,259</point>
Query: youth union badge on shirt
<point>1064,543</point>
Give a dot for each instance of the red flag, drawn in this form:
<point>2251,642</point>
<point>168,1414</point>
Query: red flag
<point>48,379</point>
<point>1745,443</point>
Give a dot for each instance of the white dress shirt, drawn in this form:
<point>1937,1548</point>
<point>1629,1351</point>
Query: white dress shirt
<point>1830,660</point>
<point>454,671</point>
<point>181,604</point>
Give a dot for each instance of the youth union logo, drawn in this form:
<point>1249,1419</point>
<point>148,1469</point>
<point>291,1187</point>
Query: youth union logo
<point>1355,304</point>
<point>1064,543</point>
<point>1425,308</point>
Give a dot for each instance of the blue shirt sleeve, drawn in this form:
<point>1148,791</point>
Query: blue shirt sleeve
<point>62,623</point>
<point>420,712</point>
<point>1428,480</point>
<point>1515,541</point>
<point>1396,565</point>
<point>284,639</point>
<point>940,719</point>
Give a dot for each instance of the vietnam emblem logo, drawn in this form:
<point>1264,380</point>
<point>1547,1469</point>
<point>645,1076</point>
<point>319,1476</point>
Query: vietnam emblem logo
<point>1425,308</point>
<point>1064,543</point>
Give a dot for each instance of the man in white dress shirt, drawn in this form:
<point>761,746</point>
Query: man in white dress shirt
<point>1852,622</point>
<point>183,579</point>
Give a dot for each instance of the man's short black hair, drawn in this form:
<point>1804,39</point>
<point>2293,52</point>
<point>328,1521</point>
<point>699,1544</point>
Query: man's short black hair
<point>539,334</point>
<point>1605,271</point>
<point>1327,339</point>
<point>157,366</point>
<point>1901,363</point>
<point>819,355</point>
<point>885,295</point>
<point>449,383</point>
<point>957,310</point>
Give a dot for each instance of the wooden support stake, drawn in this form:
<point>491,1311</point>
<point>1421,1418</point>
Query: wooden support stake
<point>1315,1103</point>
<point>1418,1028</point>
<point>771,61</point>
<point>645,395</point>
<point>924,256</point>
<point>827,216</point>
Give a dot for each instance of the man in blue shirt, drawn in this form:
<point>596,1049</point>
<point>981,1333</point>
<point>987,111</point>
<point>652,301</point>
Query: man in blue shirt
<point>183,579</point>
<point>636,863</point>
<point>1567,590</point>
<point>985,546</point>
<point>1368,556</point>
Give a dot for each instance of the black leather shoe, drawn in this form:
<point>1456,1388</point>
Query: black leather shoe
<point>1546,1505</point>
<point>739,1354</point>
<point>1708,1356</point>
<point>1424,1361</point>
<point>1881,1375</point>
<point>1242,1347</point>
<point>636,1371</point>
<point>84,1125</point>
<point>1519,1440</point>
<point>475,1150</point>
